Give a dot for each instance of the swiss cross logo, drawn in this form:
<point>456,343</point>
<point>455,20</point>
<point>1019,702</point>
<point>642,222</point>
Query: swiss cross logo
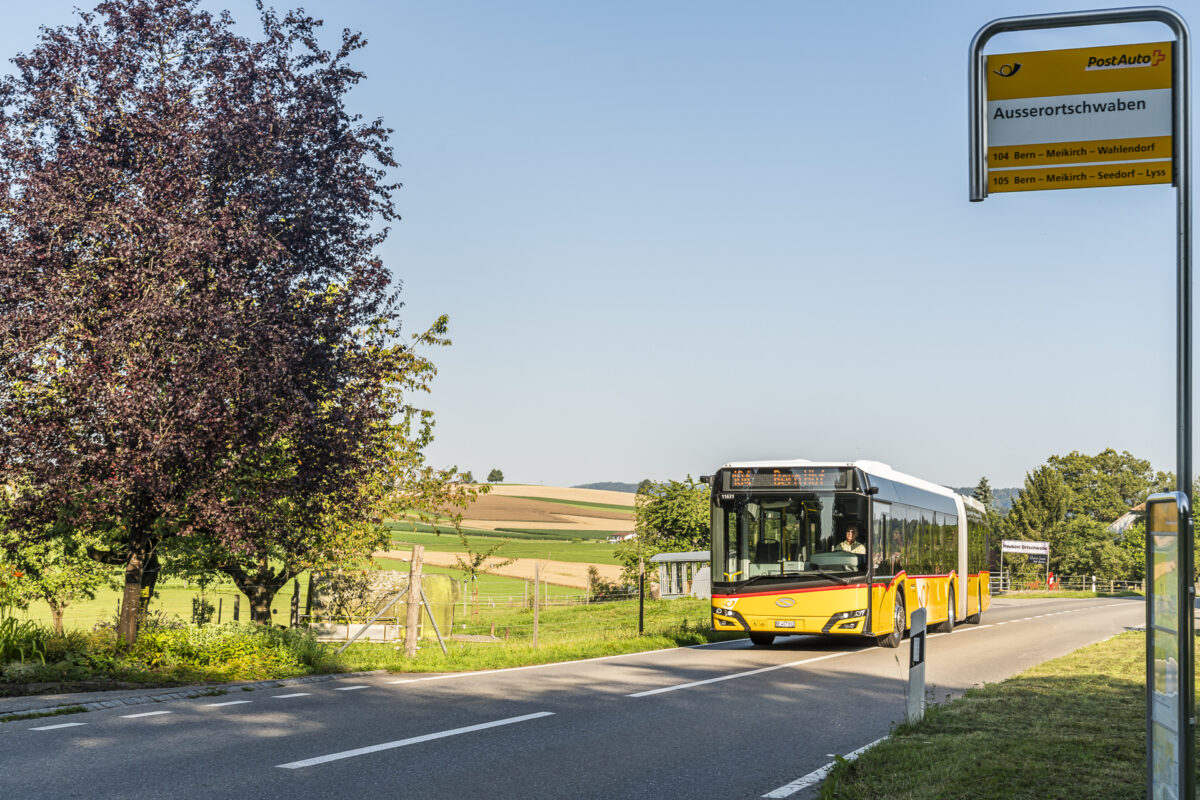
<point>1159,57</point>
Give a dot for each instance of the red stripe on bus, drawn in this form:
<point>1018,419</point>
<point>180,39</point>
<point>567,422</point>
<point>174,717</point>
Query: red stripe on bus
<point>787,591</point>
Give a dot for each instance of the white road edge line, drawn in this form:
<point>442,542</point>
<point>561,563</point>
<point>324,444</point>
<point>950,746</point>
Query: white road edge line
<point>144,714</point>
<point>375,748</point>
<point>817,775</point>
<point>60,725</point>
<point>351,688</point>
<point>740,674</point>
<point>228,703</point>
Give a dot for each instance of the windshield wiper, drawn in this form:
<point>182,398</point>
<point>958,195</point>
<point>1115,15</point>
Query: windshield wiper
<point>795,574</point>
<point>831,576</point>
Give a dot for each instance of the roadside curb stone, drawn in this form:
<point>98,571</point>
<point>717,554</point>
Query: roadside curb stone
<point>79,699</point>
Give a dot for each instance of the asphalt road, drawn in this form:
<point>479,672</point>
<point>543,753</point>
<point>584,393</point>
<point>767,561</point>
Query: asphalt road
<point>727,720</point>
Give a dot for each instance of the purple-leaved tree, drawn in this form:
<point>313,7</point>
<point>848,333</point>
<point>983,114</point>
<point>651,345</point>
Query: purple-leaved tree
<point>197,339</point>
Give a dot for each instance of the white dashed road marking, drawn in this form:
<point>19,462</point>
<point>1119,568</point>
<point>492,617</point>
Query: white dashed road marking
<point>375,748</point>
<point>60,725</point>
<point>350,688</point>
<point>286,696</point>
<point>144,714</point>
<point>740,674</point>
<point>228,703</point>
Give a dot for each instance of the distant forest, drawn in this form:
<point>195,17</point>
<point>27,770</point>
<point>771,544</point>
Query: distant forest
<point>1004,497</point>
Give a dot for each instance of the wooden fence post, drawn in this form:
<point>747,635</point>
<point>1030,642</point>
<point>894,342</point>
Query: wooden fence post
<point>414,601</point>
<point>296,603</point>
<point>536,581</point>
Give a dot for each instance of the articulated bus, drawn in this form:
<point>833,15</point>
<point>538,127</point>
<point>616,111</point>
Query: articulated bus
<point>848,549</point>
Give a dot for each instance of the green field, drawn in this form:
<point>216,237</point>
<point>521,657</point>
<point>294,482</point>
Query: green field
<point>586,552</point>
<point>405,527</point>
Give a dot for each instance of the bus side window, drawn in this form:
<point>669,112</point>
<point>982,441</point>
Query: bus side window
<point>896,539</point>
<point>879,538</point>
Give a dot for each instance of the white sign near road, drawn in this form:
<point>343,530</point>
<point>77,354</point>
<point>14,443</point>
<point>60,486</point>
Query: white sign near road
<point>1021,546</point>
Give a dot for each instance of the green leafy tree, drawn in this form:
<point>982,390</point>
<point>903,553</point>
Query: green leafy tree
<point>672,516</point>
<point>495,476</point>
<point>644,486</point>
<point>60,572</point>
<point>467,477</point>
<point>1082,546</point>
<point>1108,484</point>
<point>1133,541</point>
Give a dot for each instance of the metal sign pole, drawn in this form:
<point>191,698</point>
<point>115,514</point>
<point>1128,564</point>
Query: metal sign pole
<point>1181,154</point>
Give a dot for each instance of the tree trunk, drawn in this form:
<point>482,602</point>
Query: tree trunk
<point>149,581</point>
<point>260,602</point>
<point>260,587</point>
<point>56,616</point>
<point>131,597</point>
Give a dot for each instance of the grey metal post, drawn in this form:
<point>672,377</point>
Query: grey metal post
<point>1182,145</point>
<point>433,619</point>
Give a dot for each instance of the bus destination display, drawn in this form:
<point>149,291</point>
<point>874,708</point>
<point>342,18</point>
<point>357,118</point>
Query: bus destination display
<point>795,478</point>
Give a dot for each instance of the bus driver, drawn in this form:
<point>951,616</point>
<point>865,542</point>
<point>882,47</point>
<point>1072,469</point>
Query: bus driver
<point>852,545</point>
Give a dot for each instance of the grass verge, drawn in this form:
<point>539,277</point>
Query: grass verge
<point>58,712</point>
<point>1071,728</point>
<point>169,653</point>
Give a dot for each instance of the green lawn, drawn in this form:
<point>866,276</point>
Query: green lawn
<point>491,588</point>
<point>1071,728</point>
<point>173,598</point>
<point>586,552</point>
<point>564,634</point>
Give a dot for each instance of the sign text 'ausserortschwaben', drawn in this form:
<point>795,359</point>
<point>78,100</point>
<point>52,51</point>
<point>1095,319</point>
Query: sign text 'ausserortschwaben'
<point>1069,119</point>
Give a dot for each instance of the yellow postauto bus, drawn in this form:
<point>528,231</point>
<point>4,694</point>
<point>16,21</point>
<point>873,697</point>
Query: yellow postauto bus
<point>842,548</point>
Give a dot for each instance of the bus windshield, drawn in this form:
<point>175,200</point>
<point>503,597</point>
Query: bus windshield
<point>812,534</point>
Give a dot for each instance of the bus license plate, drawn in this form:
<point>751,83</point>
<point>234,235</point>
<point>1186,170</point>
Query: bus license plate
<point>785,623</point>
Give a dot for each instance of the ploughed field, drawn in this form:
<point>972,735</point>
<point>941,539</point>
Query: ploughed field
<point>551,509</point>
<point>563,529</point>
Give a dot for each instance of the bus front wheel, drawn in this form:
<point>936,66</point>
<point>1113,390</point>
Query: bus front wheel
<point>898,619</point>
<point>762,639</point>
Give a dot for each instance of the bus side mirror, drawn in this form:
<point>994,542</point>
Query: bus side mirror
<point>706,479</point>
<point>873,490</point>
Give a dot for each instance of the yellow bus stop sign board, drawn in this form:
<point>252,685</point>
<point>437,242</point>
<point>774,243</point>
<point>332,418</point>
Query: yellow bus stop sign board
<point>1070,119</point>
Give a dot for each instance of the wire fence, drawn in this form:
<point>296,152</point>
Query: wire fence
<point>1002,584</point>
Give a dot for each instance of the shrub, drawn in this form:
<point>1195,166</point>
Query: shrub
<point>21,640</point>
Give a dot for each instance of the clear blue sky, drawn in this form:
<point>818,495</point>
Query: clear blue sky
<point>673,234</point>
